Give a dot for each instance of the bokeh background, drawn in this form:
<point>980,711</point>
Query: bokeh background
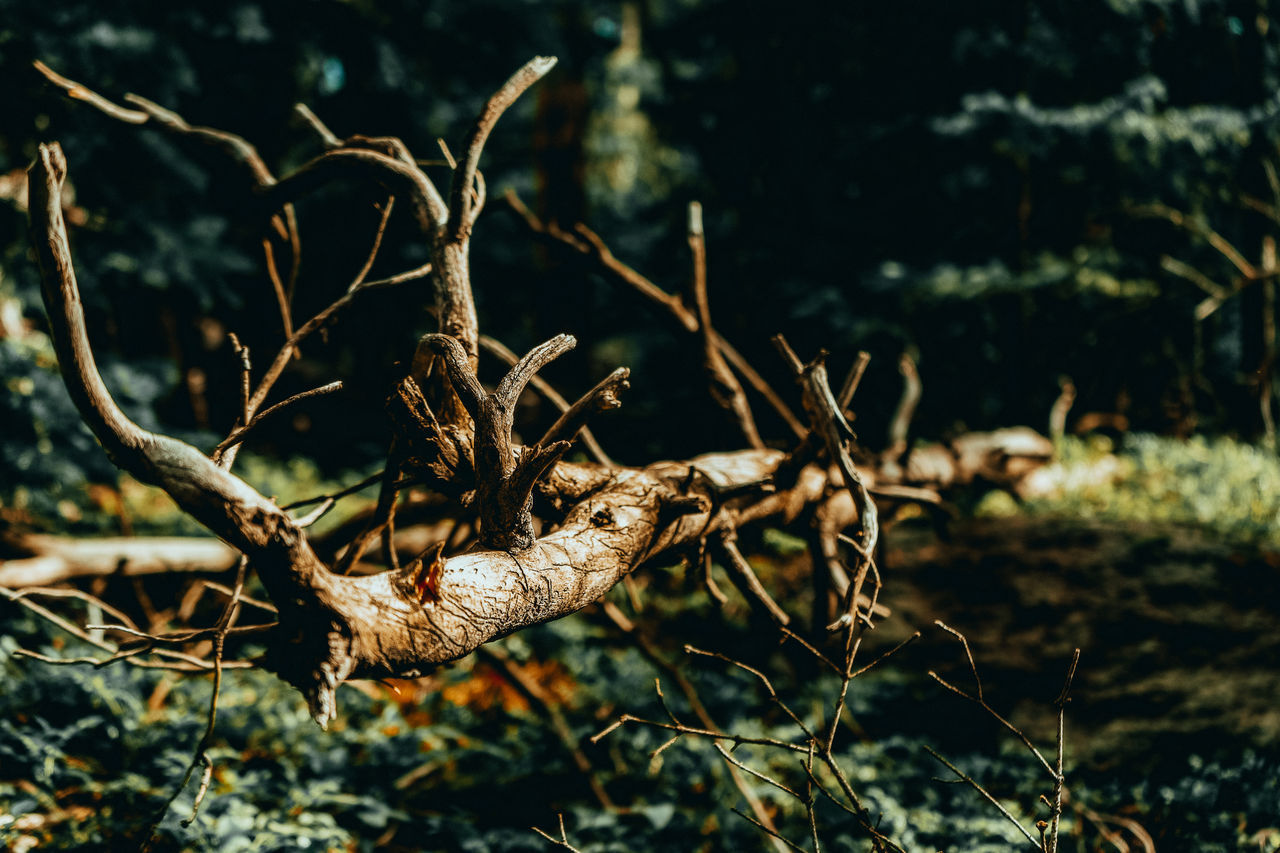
<point>970,183</point>
<point>954,182</point>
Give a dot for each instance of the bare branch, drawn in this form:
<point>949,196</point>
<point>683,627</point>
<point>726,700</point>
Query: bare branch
<point>828,422</point>
<point>222,502</point>
<point>1195,226</point>
<point>771,832</point>
<point>1055,805</point>
<point>562,841</point>
<point>460,194</point>
<point>763,679</point>
<point>851,382</point>
<point>278,288</point>
<point>201,756</point>
<point>464,380</point>
<point>327,137</point>
<point>544,388</point>
<point>377,244</point>
<point>601,398</point>
<point>587,242</point>
<point>1193,275</point>
<point>725,388</point>
<point>742,569</point>
<point>901,422</point>
<point>769,780</point>
<point>398,177</point>
<point>647,648</point>
<point>82,93</point>
<point>55,559</point>
<point>512,385</point>
<point>981,701</point>
<point>1061,406</point>
<point>986,795</point>
<point>240,433</point>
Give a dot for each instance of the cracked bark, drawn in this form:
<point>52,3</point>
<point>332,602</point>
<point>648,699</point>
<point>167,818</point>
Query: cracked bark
<point>334,627</point>
<point>602,521</point>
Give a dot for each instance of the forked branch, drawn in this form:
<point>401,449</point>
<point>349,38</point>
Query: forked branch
<point>400,623</point>
<point>504,481</point>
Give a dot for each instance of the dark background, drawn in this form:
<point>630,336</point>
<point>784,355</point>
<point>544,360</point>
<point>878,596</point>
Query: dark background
<point>945,179</point>
<point>951,180</point>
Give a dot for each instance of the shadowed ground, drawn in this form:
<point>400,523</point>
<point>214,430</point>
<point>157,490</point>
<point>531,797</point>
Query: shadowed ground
<point>1180,635</point>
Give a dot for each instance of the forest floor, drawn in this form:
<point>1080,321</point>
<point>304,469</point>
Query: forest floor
<point>1179,637</point>
<point>1174,722</point>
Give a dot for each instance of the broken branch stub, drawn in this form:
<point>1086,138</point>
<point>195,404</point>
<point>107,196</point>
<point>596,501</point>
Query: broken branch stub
<point>504,479</point>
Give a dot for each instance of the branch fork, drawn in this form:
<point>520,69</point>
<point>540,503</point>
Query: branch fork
<point>504,477</point>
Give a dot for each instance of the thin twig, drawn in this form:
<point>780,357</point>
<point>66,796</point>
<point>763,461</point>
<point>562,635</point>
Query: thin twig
<point>1193,275</point>
<point>724,753</point>
<point>647,648</point>
<point>772,832</point>
<point>201,756</point>
<point>742,569</point>
<point>240,433</point>
<point>851,381</point>
<point>724,386</point>
<point>290,346</point>
<point>1195,226</point>
<point>383,513</point>
<point>901,422</point>
<point>377,244</point>
<point>81,595</point>
<point>327,137</point>
<point>981,701</point>
<point>1059,778</point>
<point>587,242</point>
<point>278,287</point>
<point>562,841</point>
<point>986,794</point>
<point>603,397</point>
<point>694,730</point>
<point>764,679</point>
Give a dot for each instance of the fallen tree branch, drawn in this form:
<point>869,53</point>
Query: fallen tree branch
<point>55,559</point>
<point>332,627</point>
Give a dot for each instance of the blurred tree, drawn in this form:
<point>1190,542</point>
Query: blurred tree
<point>904,175</point>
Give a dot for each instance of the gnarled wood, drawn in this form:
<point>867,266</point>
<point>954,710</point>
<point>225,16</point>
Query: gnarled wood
<point>454,434</point>
<point>333,627</point>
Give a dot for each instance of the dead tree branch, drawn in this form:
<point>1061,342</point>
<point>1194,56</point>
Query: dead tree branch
<point>55,559</point>
<point>544,388</point>
<point>585,241</point>
<point>726,390</point>
<point>451,434</point>
<point>332,627</point>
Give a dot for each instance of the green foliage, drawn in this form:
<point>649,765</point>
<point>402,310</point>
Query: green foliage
<point>1227,487</point>
<point>47,453</point>
<point>1026,127</point>
<point>83,737</point>
<point>1029,129</point>
<point>88,757</point>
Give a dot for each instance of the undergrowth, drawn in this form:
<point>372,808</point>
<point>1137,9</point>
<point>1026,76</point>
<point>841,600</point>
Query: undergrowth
<point>1226,488</point>
<point>462,761</point>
